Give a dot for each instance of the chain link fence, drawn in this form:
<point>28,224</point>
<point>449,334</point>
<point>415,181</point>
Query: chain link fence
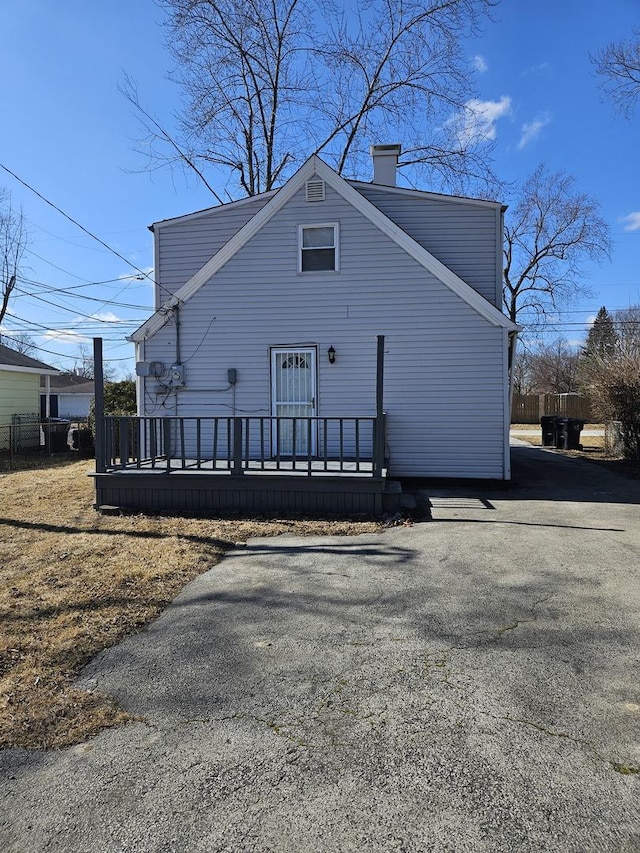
<point>27,437</point>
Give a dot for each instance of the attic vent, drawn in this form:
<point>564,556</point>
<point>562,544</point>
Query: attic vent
<point>315,190</point>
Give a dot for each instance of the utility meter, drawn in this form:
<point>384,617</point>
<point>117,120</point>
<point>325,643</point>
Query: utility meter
<point>176,375</point>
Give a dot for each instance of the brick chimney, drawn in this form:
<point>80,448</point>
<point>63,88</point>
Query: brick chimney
<point>385,162</point>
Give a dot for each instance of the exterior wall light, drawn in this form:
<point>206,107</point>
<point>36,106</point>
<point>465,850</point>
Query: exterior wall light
<point>331,353</point>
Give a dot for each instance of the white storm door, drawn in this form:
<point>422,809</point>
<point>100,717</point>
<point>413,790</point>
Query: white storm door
<point>293,395</point>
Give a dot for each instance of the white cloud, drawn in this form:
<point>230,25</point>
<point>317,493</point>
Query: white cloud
<point>65,336</point>
<point>480,63</point>
<point>531,130</point>
<point>105,317</point>
<point>632,221</point>
<point>477,122</point>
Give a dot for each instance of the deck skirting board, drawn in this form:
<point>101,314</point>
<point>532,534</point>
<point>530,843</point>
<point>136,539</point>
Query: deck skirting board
<point>206,494</point>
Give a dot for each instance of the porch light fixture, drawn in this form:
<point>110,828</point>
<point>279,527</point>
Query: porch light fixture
<point>331,353</point>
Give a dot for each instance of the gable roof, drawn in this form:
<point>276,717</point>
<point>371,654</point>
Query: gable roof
<point>13,360</point>
<point>314,166</point>
<point>409,192</point>
<point>70,383</point>
<point>208,211</point>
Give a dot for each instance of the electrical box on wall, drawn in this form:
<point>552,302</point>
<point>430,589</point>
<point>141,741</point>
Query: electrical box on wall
<point>176,375</point>
<point>149,368</point>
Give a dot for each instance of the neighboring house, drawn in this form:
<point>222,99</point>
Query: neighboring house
<point>271,307</point>
<point>20,377</point>
<point>70,397</point>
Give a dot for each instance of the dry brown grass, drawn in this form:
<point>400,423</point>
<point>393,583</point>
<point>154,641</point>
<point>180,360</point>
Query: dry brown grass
<point>74,582</point>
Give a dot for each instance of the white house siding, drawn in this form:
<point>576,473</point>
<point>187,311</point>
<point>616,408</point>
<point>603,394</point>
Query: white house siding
<point>444,370</point>
<point>184,246</point>
<point>463,235</point>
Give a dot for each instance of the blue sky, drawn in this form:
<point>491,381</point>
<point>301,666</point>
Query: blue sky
<point>68,132</point>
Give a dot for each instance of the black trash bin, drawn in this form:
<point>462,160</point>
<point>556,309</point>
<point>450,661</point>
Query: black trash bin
<point>56,431</point>
<point>575,427</point>
<point>562,433</point>
<point>548,423</point>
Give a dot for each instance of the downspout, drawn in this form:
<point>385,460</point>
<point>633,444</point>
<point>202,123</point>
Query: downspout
<point>380,438</point>
<point>178,356</point>
<point>510,347</point>
<point>140,383</point>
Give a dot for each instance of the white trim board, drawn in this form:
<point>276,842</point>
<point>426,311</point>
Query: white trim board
<point>13,368</point>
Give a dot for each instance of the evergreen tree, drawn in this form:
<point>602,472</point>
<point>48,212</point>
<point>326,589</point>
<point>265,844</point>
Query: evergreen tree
<point>602,339</point>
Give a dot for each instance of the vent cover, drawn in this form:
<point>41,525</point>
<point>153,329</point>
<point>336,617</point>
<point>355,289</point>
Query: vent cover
<point>315,190</point>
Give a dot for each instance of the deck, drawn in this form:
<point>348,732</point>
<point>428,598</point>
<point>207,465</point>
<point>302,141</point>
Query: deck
<point>305,465</point>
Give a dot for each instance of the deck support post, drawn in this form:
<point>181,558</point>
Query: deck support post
<point>98,377</point>
<point>236,470</point>
<point>379,439</point>
<point>166,442</point>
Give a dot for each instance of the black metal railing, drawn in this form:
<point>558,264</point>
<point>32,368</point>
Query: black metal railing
<point>239,445</point>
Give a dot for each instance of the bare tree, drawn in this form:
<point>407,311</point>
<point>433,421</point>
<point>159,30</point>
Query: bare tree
<point>618,65</point>
<point>551,230</point>
<point>19,341</point>
<point>553,368</point>
<point>521,371</point>
<point>13,240</point>
<point>84,367</point>
<point>627,326</point>
<point>265,83</point>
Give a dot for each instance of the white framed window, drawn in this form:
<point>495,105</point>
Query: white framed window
<point>318,247</point>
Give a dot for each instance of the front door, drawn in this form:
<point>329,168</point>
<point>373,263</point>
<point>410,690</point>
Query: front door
<point>293,394</point>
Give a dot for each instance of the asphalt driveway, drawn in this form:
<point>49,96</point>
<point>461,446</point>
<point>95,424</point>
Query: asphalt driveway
<point>471,683</point>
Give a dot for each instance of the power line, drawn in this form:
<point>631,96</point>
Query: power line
<point>55,266</point>
<point>72,357</point>
<point>75,311</point>
<point>52,289</point>
<point>76,223</point>
<point>71,242</point>
<point>78,296</point>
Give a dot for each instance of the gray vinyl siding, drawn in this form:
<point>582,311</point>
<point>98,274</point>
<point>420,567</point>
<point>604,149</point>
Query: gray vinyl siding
<point>184,246</point>
<point>444,371</point>
<point>462,236</point>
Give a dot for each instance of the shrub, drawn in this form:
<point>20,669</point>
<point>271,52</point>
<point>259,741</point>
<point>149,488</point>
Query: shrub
<point>119,399</point>
<point>614,384</point>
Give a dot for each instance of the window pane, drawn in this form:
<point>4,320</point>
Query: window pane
<point>317,238</point>
<point>318,259</point>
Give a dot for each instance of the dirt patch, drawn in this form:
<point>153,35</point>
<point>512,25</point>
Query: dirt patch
<point>74,582</point>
